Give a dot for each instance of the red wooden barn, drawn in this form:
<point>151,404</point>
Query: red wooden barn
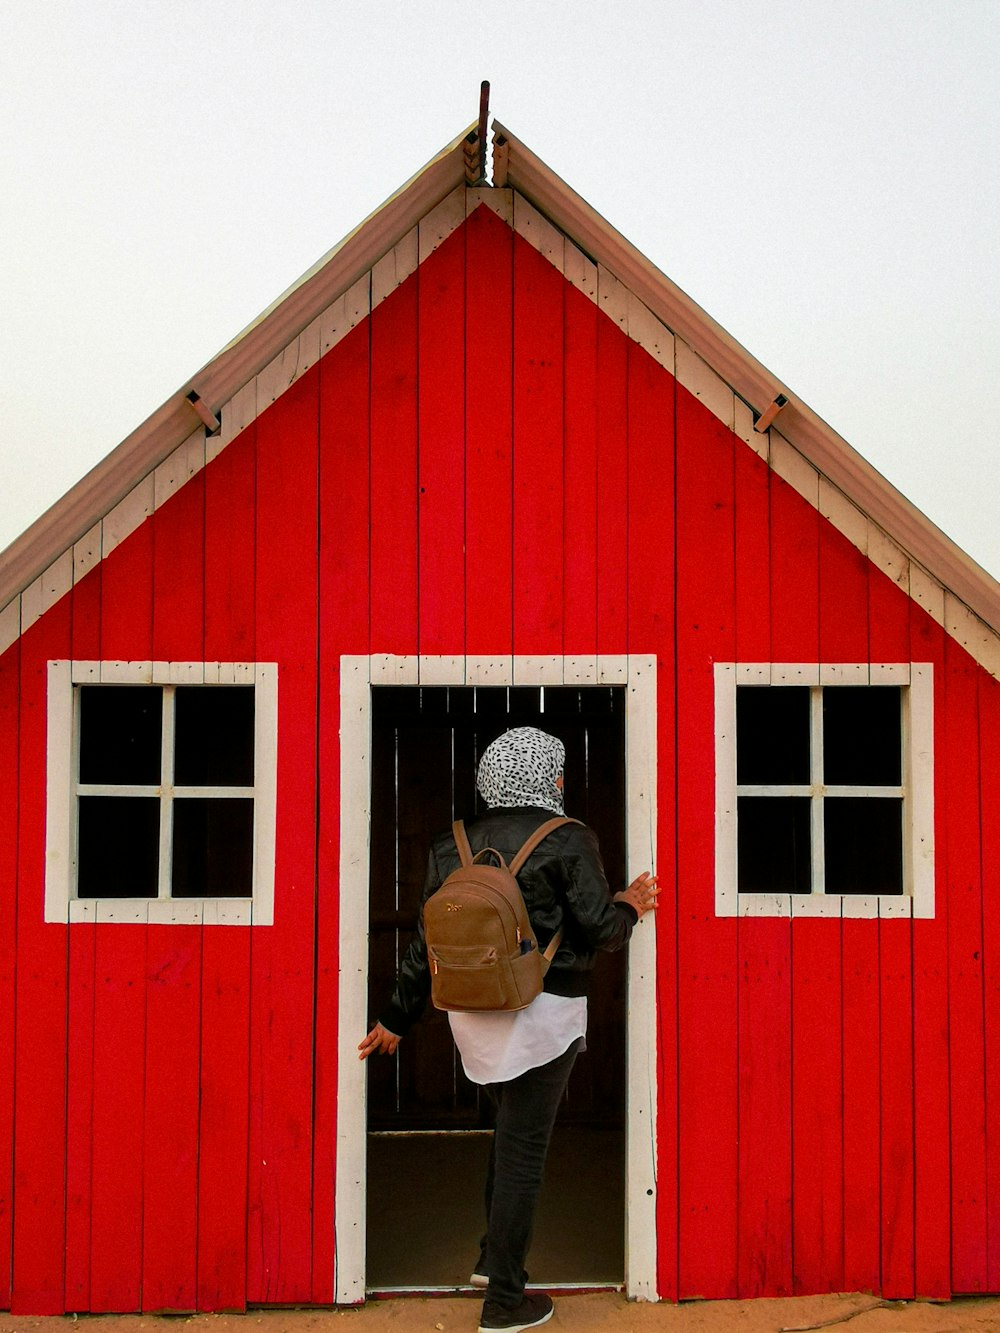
<point>484,463</point>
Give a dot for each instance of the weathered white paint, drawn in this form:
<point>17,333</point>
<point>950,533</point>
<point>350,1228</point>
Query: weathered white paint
<point>538,231</point>
<point>917,789</point>
<point>62,765</point>
<point>357,676</point>
<point>698,377</point>
<point>355,836</point>
<point>496,199</point>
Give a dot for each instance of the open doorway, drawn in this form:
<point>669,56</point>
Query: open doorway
<point>427,1130</point>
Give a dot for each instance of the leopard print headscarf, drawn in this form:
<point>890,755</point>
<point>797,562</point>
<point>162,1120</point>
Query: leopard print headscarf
<point>520,768</point>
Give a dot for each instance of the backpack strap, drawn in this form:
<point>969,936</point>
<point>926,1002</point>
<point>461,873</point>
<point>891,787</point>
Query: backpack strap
<point>539,835</point>
<point>462,842</point>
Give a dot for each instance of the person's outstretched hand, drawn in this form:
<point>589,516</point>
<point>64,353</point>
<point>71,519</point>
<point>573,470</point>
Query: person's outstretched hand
<point>640,894</point>
<point>379,1039</point>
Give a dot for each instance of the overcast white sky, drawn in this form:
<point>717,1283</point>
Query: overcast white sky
<point>822,176</point>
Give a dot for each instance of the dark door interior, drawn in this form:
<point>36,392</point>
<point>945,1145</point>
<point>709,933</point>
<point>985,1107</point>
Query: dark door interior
<point>427,1124</point>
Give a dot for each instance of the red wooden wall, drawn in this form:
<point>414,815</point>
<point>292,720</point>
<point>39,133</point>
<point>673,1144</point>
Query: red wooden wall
<point>488,465</point>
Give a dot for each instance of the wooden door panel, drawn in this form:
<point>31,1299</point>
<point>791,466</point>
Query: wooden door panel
<point>426,744</point>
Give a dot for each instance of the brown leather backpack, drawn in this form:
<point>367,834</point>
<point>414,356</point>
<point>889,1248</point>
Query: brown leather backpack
<point>481,948</point>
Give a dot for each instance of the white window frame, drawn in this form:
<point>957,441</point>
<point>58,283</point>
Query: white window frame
<point>916,790</point>
<point>357,676</point>
<point>63,789</point>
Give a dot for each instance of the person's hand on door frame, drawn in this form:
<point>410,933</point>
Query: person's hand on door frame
<point>380,1040</point>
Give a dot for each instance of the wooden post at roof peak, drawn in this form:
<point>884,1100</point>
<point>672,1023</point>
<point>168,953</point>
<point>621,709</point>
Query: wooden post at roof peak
<point>475,143</point>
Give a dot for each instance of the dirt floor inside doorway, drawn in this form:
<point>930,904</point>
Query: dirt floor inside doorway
<point>579,1229</point>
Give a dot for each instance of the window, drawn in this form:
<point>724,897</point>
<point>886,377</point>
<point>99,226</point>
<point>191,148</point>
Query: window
<point>824,790</point>
<point>161,792</point>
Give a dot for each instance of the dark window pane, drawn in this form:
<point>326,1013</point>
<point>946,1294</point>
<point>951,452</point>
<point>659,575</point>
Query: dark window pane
<point>773,844</point>
<point>120,734</point>
<point>861,735</point>
<point>119,847</point>
<point>864,844</point>
<point>772,734</point>
<point>213,848</point>
<point>213,738</point>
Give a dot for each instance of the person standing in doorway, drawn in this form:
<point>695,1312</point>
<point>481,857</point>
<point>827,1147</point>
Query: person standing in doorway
<point>522,1058</point>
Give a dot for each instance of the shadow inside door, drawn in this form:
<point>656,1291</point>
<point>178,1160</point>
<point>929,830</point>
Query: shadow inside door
<point>428,1127</point>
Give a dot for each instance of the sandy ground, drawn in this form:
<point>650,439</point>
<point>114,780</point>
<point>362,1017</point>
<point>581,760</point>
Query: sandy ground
<point>582,1314</point>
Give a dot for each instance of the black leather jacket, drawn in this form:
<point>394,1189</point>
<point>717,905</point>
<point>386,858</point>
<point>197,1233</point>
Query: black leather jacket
<point>563,884</point>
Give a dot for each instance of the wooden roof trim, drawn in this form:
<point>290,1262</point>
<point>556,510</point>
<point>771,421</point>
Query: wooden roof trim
<point>169,426</point>
<point>829,452</point>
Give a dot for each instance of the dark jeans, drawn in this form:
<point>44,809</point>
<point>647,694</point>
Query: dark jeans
<point>526,1109</point>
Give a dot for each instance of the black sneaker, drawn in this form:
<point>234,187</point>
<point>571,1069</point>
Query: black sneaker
<point>535,1309</point>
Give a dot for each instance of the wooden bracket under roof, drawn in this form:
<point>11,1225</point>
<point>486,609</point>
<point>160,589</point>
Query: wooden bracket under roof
<point>762,422</point>
<point>212,423</point>
<point>501,158</point>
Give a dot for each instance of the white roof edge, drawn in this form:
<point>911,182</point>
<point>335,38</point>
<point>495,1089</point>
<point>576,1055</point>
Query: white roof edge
<point>155,439</point>
<point>829,452</point>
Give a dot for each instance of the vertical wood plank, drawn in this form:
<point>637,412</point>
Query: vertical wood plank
<point>862,1158</point>
<point>441,436</point>
<point>354,717</point>
<point>179,573</point>
<point>10,670</point>
<point>119,1087</point>
<point>960,797</point>
<point>753,558</point>
<point>538,452</point>
<point>826,624</point>
<point>171,1122</point>
<point>989,730</point>
<point>580,436</point>
<point>896,1072</point>
<point>41,1003</point>
<point>223,1042</point>
<point>650,630</point>
<point>489,520</point>
<point>889,639</point>
<point>80,1112</point>
<point>89,570</point>
<point>394,543</point>
<point>343,627</point>
<point>223,1118</point>
<point>765,1136</point>
<point>932,1113</point>
<point>707,959</point>
<point>279,1262</point>
<point>230,486</point>
<point>843,591</point>
<point>843,637</point>
<point>612,487</point>
<point>764,948</point>
<point>794,573</point>
<point>126,588</point>
<point>345,471</point>
<point>817,1124</point>
<point>173,952</point>
<point>119,987</point>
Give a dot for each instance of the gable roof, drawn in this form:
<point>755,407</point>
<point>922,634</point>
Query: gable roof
<point>233,367</point>
<point>800,446</point>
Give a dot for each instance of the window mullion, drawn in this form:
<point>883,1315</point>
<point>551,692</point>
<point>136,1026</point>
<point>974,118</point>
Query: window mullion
<point>164,884</point>
<point>816,775</point>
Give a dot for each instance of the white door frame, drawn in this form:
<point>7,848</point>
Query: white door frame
<point>357,676</point>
